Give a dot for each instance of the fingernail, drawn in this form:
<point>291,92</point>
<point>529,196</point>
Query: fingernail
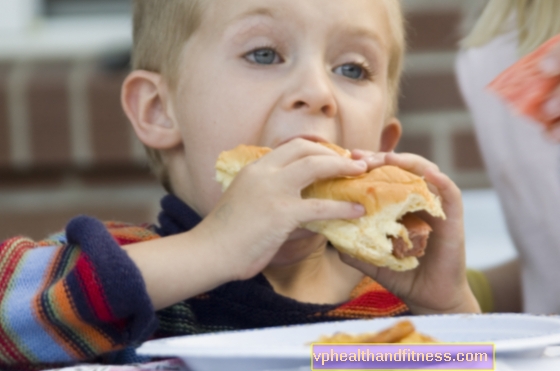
<point>360,208</point>
<point>361,164</point>
<point>552,108</point>
<point>376,157</point>
<point>550,66</point>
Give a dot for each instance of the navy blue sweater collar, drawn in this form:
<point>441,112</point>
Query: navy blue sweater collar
<point>176,217</point>
<point>234,305</point>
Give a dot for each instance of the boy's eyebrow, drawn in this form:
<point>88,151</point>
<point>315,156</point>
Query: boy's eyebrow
<point>366,33</point>
<point>256,12</point>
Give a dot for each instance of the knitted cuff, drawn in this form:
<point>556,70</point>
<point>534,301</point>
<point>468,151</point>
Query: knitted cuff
<point>481,289</point>
<point>110,293</point>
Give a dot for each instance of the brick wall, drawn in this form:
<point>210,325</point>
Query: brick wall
<point>435,121</point>
<point>66,148</point>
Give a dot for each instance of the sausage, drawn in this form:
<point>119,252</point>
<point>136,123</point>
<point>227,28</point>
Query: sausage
<point>418,233</point>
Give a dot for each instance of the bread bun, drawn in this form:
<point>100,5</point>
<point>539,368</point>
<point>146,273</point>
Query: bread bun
<point>387,193</point>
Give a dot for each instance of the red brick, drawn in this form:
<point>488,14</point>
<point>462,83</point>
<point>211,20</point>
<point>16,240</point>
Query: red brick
<point>42,177</point>
<point>109,125</point>
<point>52,177</point>
<point>430,92</point>
<point>434,31</point>
<point>4,117</point>
<point>118,175</point>
<point>38,225</point>
<point>420,144</point>
<point>49,114</point>
<point>466,153</point>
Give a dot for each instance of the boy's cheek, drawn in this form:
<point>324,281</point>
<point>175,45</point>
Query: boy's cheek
<point>202,196</point>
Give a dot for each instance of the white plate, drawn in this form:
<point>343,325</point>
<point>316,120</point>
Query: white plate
<point>288,347</point>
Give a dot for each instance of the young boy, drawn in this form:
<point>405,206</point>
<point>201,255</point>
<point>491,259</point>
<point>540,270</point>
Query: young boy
<point>209,75</point>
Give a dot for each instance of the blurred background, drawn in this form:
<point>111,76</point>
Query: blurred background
<point>66,147</point>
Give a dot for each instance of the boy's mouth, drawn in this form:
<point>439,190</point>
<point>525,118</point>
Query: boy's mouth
<point>311,138</point>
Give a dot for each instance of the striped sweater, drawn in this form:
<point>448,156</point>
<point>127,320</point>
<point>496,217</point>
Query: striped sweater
<point>77,297</point>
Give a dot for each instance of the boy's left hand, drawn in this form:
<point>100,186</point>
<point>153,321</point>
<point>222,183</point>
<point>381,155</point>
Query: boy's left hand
<point>439,284</point>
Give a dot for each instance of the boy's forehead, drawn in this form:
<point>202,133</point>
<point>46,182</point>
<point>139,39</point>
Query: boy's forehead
<point>368,16</point>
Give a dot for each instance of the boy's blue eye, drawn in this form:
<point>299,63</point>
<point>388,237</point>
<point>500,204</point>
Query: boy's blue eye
<point>263,56</point>
<point>352,71</point>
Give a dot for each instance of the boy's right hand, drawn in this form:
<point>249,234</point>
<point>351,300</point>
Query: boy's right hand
<point>439,284</point>
<point>263,205</point>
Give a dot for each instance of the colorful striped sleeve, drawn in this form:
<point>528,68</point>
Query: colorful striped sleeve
<point>72,297</point>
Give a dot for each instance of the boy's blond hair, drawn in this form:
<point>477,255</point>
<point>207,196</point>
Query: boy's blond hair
<point>161,27</point>
<point>535,20</point>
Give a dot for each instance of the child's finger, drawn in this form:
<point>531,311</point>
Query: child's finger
<point>415,164</point>
<point>449,192</point>
<point>318,209</point>
<point>305,171</point>
<point>361,154</point>
<point>407,161</point>
<point>391,280</point>
<point>358,154</point>
<point>373,159</point>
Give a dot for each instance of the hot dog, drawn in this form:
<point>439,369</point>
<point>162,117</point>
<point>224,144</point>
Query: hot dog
<point>389,235</point>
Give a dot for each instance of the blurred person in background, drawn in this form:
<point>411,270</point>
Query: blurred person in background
<point>522,161</point>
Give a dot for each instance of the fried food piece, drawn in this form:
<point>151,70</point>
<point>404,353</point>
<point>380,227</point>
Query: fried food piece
<point>417,338</point>
<point>401,332</point>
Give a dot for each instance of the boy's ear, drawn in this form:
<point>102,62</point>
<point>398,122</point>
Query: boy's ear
<point>144,100</point>
<point>391,135</point>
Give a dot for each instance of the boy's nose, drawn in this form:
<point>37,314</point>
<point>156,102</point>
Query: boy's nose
<point>311,92</point>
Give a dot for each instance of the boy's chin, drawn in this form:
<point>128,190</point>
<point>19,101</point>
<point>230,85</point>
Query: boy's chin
<point>300,245</point>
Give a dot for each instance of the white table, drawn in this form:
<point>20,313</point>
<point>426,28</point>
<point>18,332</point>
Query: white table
<point>511,364</point>
<point>487,239</point>
<point>541,364</point>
